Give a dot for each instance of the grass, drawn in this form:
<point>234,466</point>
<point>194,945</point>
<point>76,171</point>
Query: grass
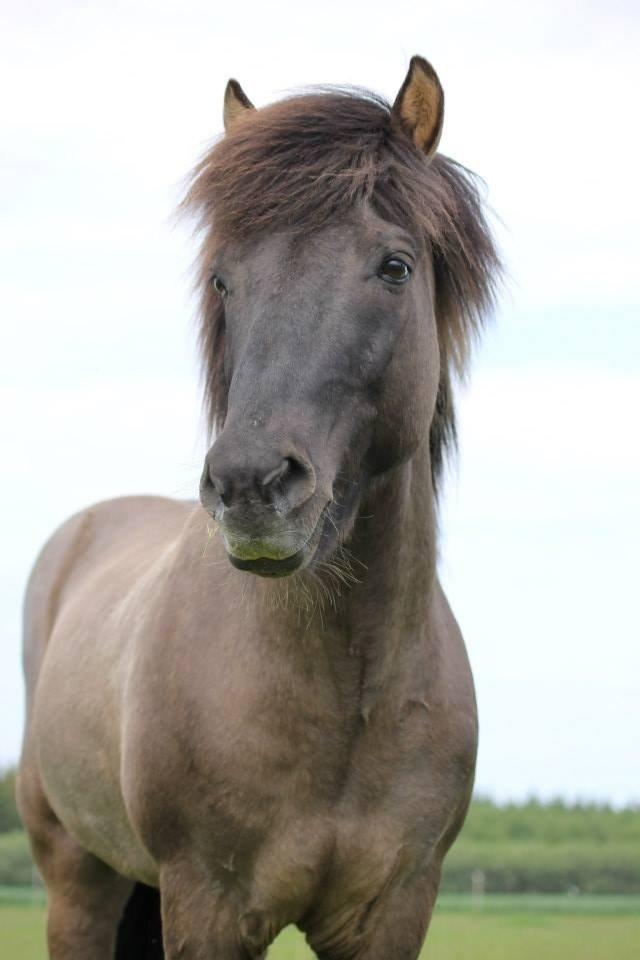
<point>502,928</point>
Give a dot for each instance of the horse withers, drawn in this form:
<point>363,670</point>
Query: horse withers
<point>258,710</point>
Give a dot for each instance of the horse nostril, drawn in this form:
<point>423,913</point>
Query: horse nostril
<point>211,485</point>
<point>229,480</point>
<point>274,475</point>
<point>223,488</point>
<point>293,480</point>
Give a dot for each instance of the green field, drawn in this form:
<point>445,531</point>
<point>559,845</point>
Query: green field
<point>502,928</point>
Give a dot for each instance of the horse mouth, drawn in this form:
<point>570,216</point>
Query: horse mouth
<point>284,567</point>
<point>266,567</point>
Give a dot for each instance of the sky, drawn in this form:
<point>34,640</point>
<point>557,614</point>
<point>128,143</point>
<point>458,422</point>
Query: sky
<point>106,108</point>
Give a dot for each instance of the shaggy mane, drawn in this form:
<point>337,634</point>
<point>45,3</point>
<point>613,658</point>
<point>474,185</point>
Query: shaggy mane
<point>303,161</point>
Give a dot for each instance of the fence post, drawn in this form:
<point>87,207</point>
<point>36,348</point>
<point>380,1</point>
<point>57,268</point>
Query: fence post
<point>478,886</point>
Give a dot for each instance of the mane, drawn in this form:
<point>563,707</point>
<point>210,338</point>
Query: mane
<point>302,162</point>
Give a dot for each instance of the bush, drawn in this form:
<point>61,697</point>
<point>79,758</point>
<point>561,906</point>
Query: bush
<point>9,819</point>
<point>16,865</point>
<point>547,848</point>
<point>537,868</point>
<point>550,823</point>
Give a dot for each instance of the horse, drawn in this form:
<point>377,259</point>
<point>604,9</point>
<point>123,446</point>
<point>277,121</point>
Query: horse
<point>255,709</point>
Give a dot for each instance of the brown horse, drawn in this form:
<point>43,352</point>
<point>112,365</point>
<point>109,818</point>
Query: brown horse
<point>261,705</point>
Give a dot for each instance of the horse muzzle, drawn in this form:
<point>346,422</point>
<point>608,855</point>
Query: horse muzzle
<point>265,500</point>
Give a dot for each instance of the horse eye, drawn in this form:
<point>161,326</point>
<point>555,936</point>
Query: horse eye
<point>219,286</point>
<point>395,270</point>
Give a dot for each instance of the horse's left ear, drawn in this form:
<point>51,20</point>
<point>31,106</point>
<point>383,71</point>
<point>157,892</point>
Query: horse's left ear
<point>236,103</point>
<point>419,106</point>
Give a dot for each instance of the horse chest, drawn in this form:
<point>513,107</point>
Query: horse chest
<point>316,864</point>
<point>294,801</point>
<point>316,812</point>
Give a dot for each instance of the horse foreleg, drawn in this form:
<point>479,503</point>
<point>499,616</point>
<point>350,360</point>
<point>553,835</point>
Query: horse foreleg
<point>200,921</point>
<point>85,898</point>
<point>390,928</point>
<point>401,926</point>
<point>83,914</point>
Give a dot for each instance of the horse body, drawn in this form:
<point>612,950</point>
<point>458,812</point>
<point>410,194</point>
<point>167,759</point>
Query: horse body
<point>264,749</point>
<point>303,779</point>
<point>116,554</point>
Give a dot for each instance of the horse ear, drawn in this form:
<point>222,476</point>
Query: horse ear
<point>419,106</point>
<point>236,102</point>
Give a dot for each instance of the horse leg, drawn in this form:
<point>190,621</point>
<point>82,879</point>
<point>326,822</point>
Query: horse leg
<point>85,898</point>
<point>83,916</point>
<point>395,925</point>
<point>200,923</point>
<point>402,924</point>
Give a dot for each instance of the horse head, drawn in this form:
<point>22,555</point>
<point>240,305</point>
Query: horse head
<point>343,267</point>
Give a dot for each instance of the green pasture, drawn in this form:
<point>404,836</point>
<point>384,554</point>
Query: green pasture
<point>503,927</point>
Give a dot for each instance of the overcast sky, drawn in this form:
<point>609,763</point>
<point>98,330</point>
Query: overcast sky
<point>106,107</point>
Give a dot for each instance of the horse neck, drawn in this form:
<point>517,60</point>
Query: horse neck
<point>394,540</point>
<point>392,555</point>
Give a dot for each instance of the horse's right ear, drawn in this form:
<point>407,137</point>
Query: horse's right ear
<point>419,106</point>
<point>236,103</point>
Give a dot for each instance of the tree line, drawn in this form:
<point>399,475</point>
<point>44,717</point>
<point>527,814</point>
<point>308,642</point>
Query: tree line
<point>552,847</point>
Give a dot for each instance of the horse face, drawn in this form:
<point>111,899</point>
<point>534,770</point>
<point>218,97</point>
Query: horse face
<point>331,357</point>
